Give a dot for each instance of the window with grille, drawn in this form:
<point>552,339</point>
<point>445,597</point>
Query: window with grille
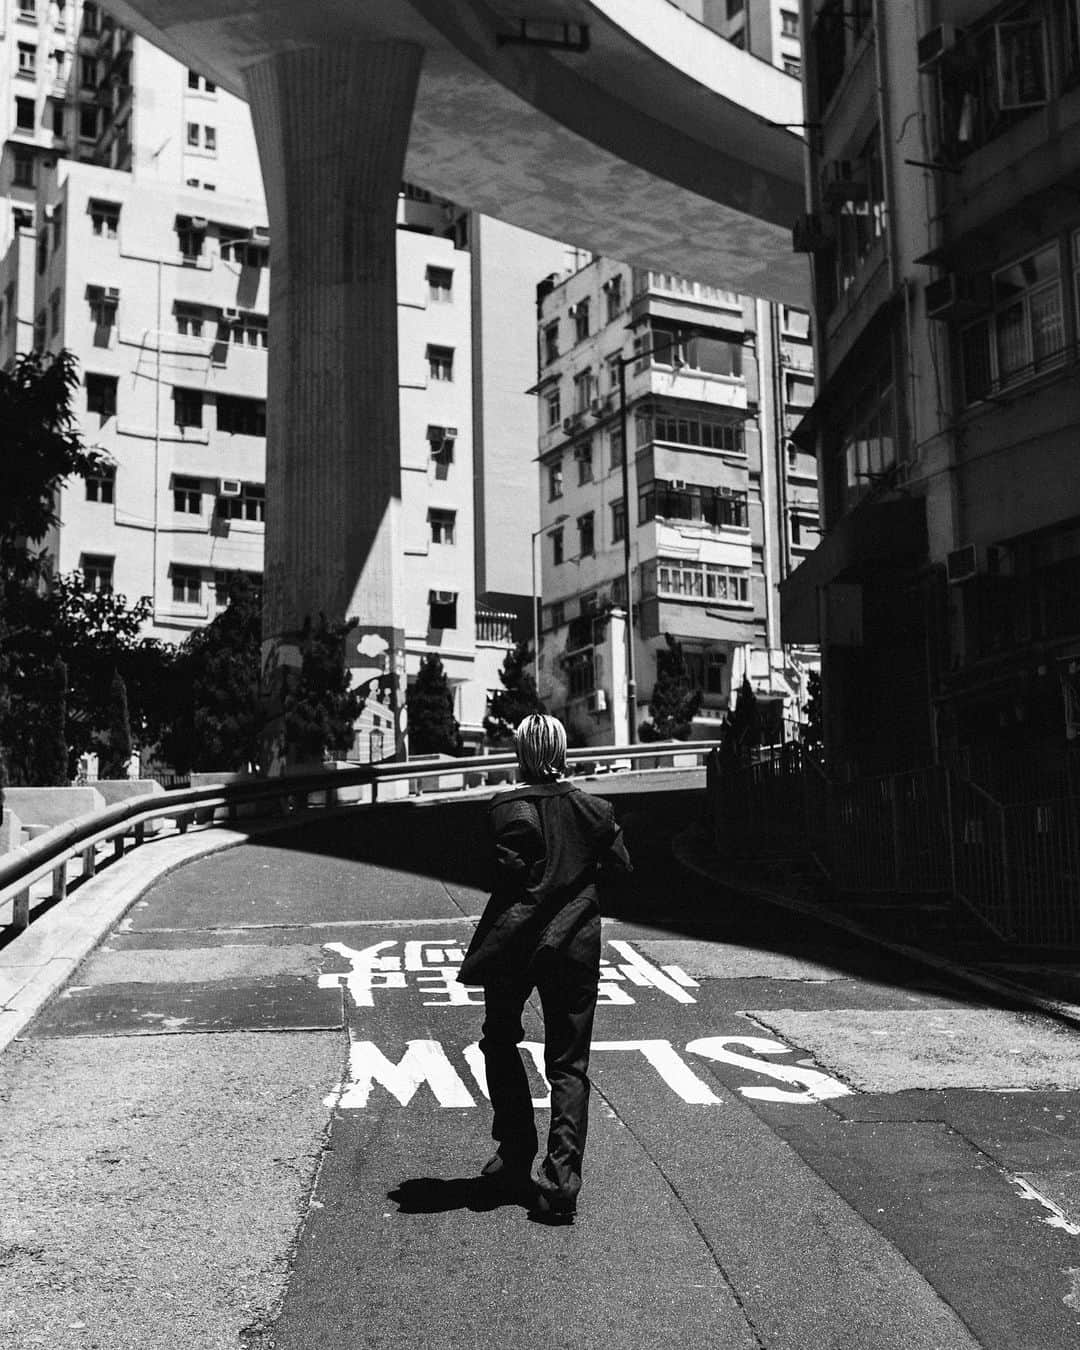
<point>618,520</point>
<point>189,320</point>
<point>24,114</point>
<point>241,416</point>
<point>702,581</point>
<point>618,448</point>
<point>554,409</point>
<point>613,292</point>
<point>583,456</point>
<point>23,168</point>
<point>28,59</point>
<point>187,495</point>
<point>586,538</point>
<point>442,609</point>
<point>187,407</point>
<point>581,320</point>
<point>97,571</point>
<point>1024,334</point>
<point>555,481</point>
<point>556,537</point>
<point>551,343</point>
<point>556,614</point>
<point>186,585</point>
<point>677,428</point>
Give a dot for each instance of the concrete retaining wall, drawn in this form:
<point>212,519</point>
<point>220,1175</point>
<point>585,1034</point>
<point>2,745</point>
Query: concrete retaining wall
<point>52,805</point>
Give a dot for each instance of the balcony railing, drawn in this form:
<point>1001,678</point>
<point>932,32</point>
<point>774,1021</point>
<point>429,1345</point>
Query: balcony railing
<point>496,627</point>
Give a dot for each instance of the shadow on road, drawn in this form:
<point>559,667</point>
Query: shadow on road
<point>447,840</point>
<point>433,1195</point>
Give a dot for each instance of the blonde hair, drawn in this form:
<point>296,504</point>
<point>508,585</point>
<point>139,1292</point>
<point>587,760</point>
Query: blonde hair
<point>540,742</point>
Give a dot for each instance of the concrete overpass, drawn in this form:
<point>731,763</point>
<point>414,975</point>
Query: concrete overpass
<point>645,137</point>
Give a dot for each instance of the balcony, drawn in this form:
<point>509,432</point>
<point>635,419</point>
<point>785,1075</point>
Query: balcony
<point>495,627</point>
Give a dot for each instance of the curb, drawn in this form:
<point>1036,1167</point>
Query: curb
<point>1069,1013</point>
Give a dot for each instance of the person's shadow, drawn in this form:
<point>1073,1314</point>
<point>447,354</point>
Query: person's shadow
<point>435,1195</point>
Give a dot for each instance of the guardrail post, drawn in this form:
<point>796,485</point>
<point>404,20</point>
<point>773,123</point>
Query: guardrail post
<point>89,861</point>
<point>374,789</point>
<point>118,846</point>
<point>59,882</point>
<point>183,820</point>
<point>20,911</point>
<point>140,833</point>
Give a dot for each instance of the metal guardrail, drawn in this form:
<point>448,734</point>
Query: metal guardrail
<point>125,823</point>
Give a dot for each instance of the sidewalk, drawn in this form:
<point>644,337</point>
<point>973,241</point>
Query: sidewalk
<point>931,934</point>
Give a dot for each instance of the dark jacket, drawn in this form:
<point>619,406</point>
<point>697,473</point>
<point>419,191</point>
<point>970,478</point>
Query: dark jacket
<point>551,842</point>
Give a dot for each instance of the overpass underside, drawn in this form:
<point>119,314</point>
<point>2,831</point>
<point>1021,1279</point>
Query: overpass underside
<point>654,142</point>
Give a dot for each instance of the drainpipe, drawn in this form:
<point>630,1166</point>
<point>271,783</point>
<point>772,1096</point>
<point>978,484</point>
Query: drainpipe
<point>157,442</point>
<point>768,422</point>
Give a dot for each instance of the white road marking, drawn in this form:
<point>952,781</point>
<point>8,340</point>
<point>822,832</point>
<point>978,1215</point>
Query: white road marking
<point>816,1086</point>
<point>1058,1218</point>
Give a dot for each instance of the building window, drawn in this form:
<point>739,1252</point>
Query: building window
<point>193,134</point>
<point>583,456</point>
<point>556,614</point>
<point>860,217</point>
<point>187,407</point>
<point>789,23</point>
<point>23,168</point>
<point>554,409</point>
<point>734,7</point>
<point>704,670</point>
<point>805,528</point>
<point>703,581</point>
<point>187,495</point>
<point>440,363</point>
<point>186,585</point>
<point>792,68</point>
<point>248,504</point>
<point>27,9</point>
<point>580,672</point>
<point>618,447</point>
<point>59,118</point>
<point>613,290</point>
<point>618,521</point>
<point>210,139</point>
<point>867,438</point>
<point>101,484</point>
<point>586,540</point>
<point>677,428</point>
<point>798,391</point>
<point>28,59</point>
<point>190,236</point>
<point>584,388</point>
<point>1024,334</point>
<point>580,311</point>
<point>103,306</point>
<point>551,342</point>
<point>440,282</point>
<point>441,445</point>
<point>189,320</point>
<point>719,507</point>
<point>89,26</point>
<point>88,123</point>
<point>442,609</point>
<point>249,330</point>
<point>241,416</point>
<point>87,72</point>
<point>441,524</point>
<point>196,81</point>
<point>557,544</point>
<point>97,571</point>
<point>795,322</point>
<point>101,394</point>
<point>24,113</point>
<point>192,79</point>
<point>555,481</point>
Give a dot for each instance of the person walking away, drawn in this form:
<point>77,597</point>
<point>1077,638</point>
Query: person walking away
<point>541,930</point>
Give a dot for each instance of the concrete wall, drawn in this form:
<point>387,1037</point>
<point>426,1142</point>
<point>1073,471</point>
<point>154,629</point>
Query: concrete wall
<point>51,805</point>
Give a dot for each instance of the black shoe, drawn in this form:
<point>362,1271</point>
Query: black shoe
<point>512,1179</point>
<point>553,1208</point>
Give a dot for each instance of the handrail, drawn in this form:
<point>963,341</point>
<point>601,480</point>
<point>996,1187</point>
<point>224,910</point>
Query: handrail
<point>52,850</point>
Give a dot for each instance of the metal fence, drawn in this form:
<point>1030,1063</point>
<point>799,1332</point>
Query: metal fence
<point>1013,865</point>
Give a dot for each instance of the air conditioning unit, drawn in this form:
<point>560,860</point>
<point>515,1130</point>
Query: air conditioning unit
<point>808,234</point>
<point>597,701</point>
<point>112,295</point>
<point>450,432</point>
<point>935,43</point>
<point>840,182</point>
<point>229,487</point>
<point>958,297</point>
<point>568,424</point>
<point>442,597</point>
<point>260,234</point>
<point>199,222</point>
<point>230,315</point>
<point>962,564</point>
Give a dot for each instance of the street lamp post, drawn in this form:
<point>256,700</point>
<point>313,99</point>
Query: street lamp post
<point>536,597</point>
<point>631,682</point>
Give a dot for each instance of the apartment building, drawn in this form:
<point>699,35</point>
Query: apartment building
<point>945,237</point>
<point>664,404</point>
<point>135,235</point>
<point>768,29</point>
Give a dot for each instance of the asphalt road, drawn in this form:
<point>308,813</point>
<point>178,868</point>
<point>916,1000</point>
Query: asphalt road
<point>256,1116</point>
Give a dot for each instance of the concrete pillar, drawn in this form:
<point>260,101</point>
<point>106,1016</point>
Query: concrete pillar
<point>332,125</point>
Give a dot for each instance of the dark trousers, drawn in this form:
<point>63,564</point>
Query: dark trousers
<point>567,992</point>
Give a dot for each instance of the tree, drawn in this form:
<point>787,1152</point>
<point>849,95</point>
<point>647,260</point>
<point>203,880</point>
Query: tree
<point>813,732</point>
<point>51,762</point>
<point>674,704</point>
<point>42,448</point>
<point>516,699</point>
<point>742,729</point>
<point>117,751</point>
<point>433,729</point>
<point>321,707</point>
<point>213,717</point>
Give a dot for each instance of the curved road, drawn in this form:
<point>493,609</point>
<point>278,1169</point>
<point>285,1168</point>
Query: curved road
<point>255,1117</point>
